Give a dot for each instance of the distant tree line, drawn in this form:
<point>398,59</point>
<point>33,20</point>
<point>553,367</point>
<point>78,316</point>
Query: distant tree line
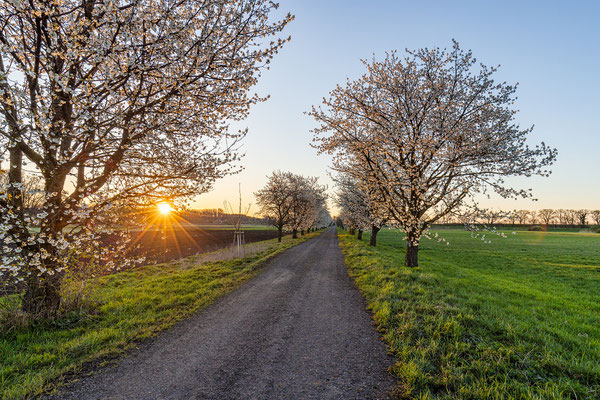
<point>217,216</point>
<point>545,216</point>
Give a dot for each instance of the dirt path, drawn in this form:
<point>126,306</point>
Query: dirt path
<point>297,331</point>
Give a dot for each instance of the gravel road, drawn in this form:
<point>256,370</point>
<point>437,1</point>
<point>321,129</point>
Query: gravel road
<point>299,330</point>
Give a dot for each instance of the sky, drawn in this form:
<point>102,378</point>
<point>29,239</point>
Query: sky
<point>551,48</point>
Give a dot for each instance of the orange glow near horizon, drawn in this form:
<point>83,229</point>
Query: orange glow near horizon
<point>164,224</point>
<point>164,208</point>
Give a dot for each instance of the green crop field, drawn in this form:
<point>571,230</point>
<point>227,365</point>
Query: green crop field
<point>515,318</point>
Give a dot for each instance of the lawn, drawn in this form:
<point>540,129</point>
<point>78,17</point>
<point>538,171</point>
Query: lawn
<point>126,308</point>
<point>515,318</point>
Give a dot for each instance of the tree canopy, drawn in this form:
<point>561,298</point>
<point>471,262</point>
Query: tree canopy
<point>120,102</point>
<point>427,131</point>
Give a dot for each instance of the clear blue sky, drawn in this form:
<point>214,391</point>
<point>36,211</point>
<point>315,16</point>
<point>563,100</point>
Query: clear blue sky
<point>551,48</point>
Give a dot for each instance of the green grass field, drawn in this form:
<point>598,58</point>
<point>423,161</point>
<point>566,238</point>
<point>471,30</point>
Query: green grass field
<point>126,308</point>
<point>518,318</point>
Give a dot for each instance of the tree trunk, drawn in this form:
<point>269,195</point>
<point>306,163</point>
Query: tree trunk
<point>42,295</point>
<point>359,237</point>
<point>279,233</point>
<point>412,254</point>
<point>374,231</point>
<point>351,231</point>
<point>15,176</point>
<point>15,193</point>
<point>294,233</point>
<point>301,232</point>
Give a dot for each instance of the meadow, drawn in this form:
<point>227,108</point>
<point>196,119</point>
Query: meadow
<point>515,318</point>
<point>114,313</point>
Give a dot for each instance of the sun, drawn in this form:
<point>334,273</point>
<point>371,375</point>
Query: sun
<point>164,208</point>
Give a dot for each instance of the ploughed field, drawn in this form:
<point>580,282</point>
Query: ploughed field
<point>162,245</point>
<point>515,318</point>
<point>175,242</point>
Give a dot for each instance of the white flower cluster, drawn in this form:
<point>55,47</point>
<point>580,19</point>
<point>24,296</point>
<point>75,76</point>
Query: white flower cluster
<point>30,248</point>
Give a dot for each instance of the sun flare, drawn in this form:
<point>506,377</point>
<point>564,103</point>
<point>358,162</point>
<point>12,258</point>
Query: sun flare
<point>164,208</point>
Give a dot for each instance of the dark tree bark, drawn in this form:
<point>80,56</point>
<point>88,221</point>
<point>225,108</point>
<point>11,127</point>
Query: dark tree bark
<point>295,233</point>
<point>359,237</point>
<point>351,231</point>
<point>15,179</point>
<point>412,255</point>
<point>374,231</point>
<point>279,233</point>
<point>301,232</point>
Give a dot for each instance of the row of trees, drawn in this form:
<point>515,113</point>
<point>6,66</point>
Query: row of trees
<point>117,104</point>
<point>418,136</point>
<point>545,216</point>
<point>293,202</point>
<point>216,216</point>
<point>359,209</point>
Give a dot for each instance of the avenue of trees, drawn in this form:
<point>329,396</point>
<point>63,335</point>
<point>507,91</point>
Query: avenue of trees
<point>422,134</point>
<point>359,210</point>
<point>116,104</point>
<point>293,202</point>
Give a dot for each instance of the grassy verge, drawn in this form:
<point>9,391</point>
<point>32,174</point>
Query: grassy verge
<point>517,318</point>
<point>129,306</point>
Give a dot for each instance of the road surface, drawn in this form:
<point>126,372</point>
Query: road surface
<point>299,330</point>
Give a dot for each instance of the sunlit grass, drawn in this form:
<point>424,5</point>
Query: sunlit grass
<point>517,318</point>
<point>130,306</point>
